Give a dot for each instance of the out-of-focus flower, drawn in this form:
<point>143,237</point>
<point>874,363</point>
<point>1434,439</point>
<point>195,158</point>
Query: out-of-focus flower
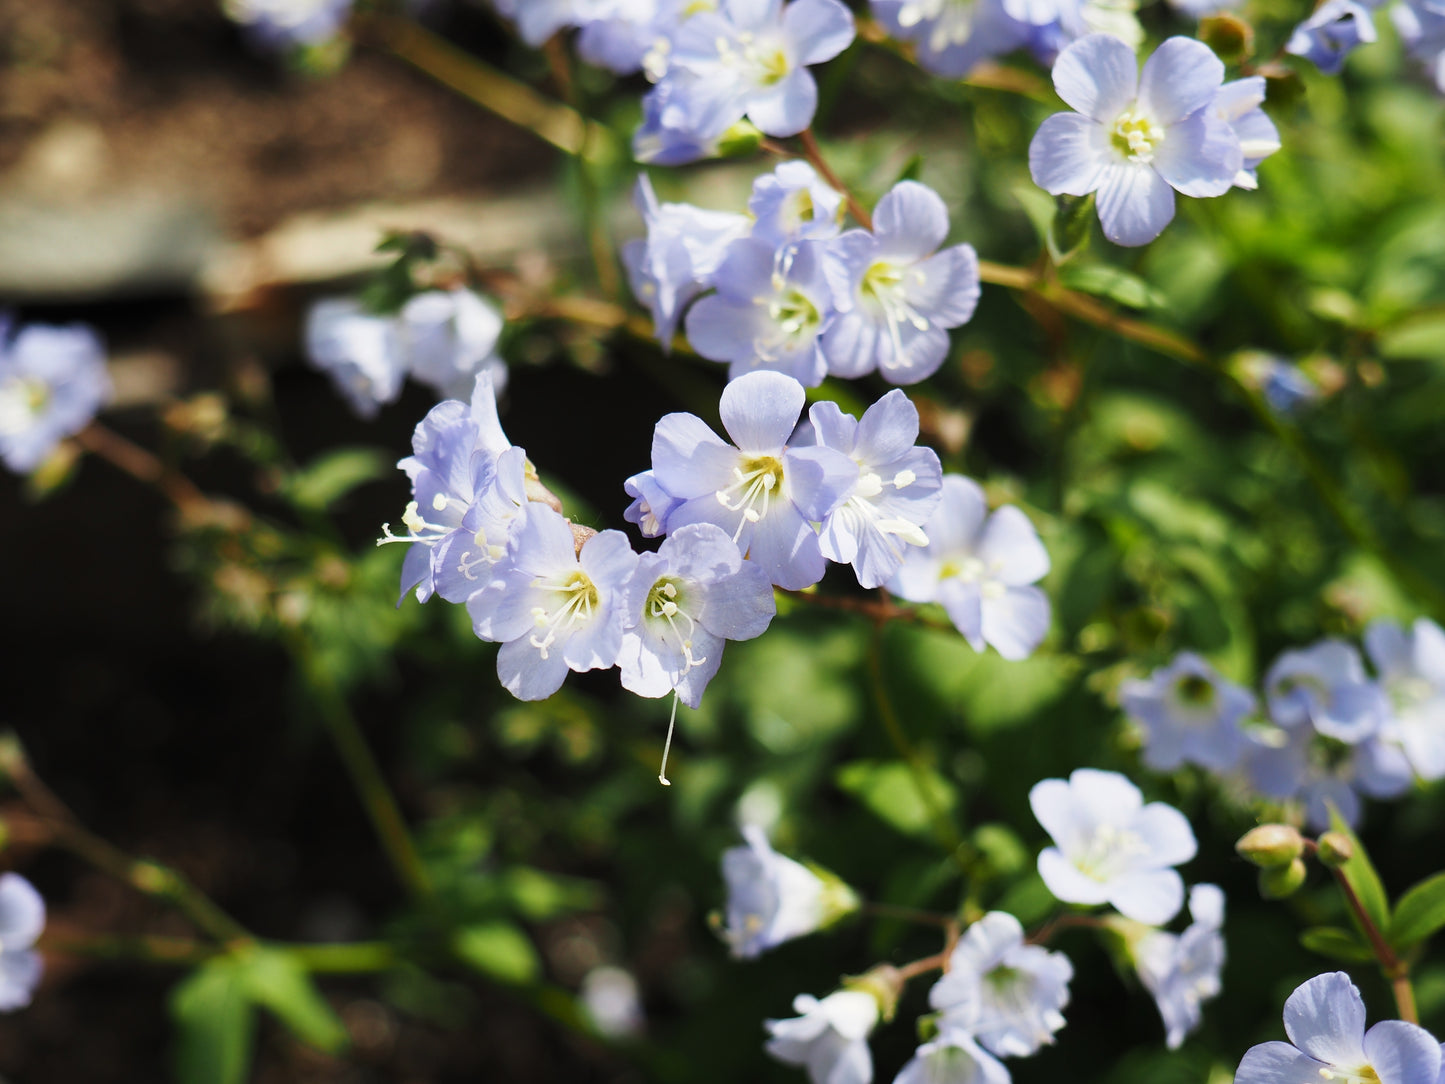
<point>829,1038</point>
<point>611,1001</point>
<point>1189,714</point>
<point>52,381</point>
<point>284,24</point>
<point>1411,666</point>
<point>1325,686</point>
<point>953,1057</point>
<point>1331,32</point>
<point>22,918</point>
<point>1182,971</point>
<point>772,898</point>
<point>1421,26</point>
<point>1238,103</point>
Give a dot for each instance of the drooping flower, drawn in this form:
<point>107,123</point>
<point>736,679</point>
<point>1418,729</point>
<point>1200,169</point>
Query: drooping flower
<point>52,381</point>
<point>1411,668</point>
<point>1325,1021</point>
<point>1136,139</point>
<point>980,568</point>
<point>829,1038</point>
<point>898,487</point>
<point>447,337</point>
<point>682,603</point>
<point>769,311</point>
<point>952,37</point>
<point>284,24</point>
<point>651,504</point>
<point>792,204</point>
<point>1007,994</point>
<point>1238,103</point>
<point>772,898</point>
<point>677,261</point>
<point>22,918</point>
<point>896,293</point>
<point>1182,971</point>
<point>1189,714</point>
<point>953,1057</point>
<point>765,494</point>
<point>1110,847</point>
<point>1325,686</point>
<point>359,350</point>
<point>551,606</point>
<point>1332,32</point>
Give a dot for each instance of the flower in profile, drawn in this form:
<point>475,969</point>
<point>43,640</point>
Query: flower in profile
<point>896,293</point>
<point>772,898</point>
<point>1411,669</point>
<point>651,504</point>
<point>1238,103</point>
<point>1421,26</point>
<point>682,604</point>
<point>447,337</point>
<point>1325,686</point>
<point>22,918</point>
<point>829,1038</point>
<point>980,568</point>
<point>953,1057</point>
<point>677,261</point>
<point>359,350</point>
<point>1110,847</point>
<point>1332,32</point>
<point>285,24</point>
<point>52,381</point>
<point>1182,970</point>
<point>1136,138</point>
<point>764,493</point>
<point>1005,993</point>
<point>952,37</point>
<point>1325,1021</point>
<point>792,204</point>
<point>551,606</point>
<point>1189,714</point>
<point>897,489</point>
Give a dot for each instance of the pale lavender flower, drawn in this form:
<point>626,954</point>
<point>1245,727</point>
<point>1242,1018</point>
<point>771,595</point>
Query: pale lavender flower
<point>953,1057</point>
<point>359,350</point>
<point>1189,713</point>
<point>682,603</point>
<point>754,55</point>
<point>772,898</point>
<point>1198,9</point>
<point>768,313</point>
<point>447,337</point>
<point>952,37</point>
<point>1332,32</point>
<point>552,608</point>
<point>1182,970</point>
<point>1421,26</point>
<point>22,918</point>
<point>621,35</point>
<point>1325,686</point>
<point>898,487</point>
<point>684,246</point>
<point>829,1039</point>
<point>980,568</point>
<point>538,20</point>
<point>1325,1021</point>
<point>651,504</point>
<point>1136,138</point>
<point>284,24</point>
<point>52,382</point>
<point>1285,388</point>
<point>1320,772</point>
<point>1411,668</point>
<point>1110,847</point>
<point>681,122</point>
<point>896,293</point>
<point>1005,993</point>
<point>765,494</point>
<point>1238,104</point>
<point>792,203</point>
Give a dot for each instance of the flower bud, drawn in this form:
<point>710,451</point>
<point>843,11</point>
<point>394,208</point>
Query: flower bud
<point>1271,845</point>
<point>742,139</point>
<point>1280,881</point>
<point>1335,849</point>
<point>884,983</point>
<point>1231,38</point>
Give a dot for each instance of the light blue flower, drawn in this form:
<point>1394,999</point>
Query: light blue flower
<point>651,504</point>
<point>1110,847</point>
<point>952,1057</point>
<point>538,20</point>
<point>677,261</point>
<point>1136,138</point>
<point>1411,669</point>
<point>447,337</point>
<point>897,490</point>
<point>359,350</point>
<point>52,382</point>
<point>773,899</point>
<point>1189,714</point>
<point>769,312</point>
<point>553,607</point>
<point>1007,994</point>
<point>980,568</point>
<point>1331,33</point>
<point>792,203</point>
<point>1325,1021</point>
<point>1421,26</point>
<point>22,918</point>
<point>1238,104</point>
<point>681,605</point>
<point>681,121</point>
<point>895,293</point>
<point>283,24</point>
<point>1325,686</point>
<point>1182,970</point>
<point>621,35</point>
<point>952,37</point>
<point>1302,765</point>
<point>765,494</point>
<point>829,1038</point>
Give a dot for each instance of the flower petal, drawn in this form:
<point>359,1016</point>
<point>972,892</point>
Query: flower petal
<point>1181,77</point>
<point>1098,76</point>
<point>1325,1017</point>
<point>759,411</point>
<point>1069,153</point>
<point>1135,203</point>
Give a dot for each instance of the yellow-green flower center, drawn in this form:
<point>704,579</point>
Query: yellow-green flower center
<point>1136,137</point>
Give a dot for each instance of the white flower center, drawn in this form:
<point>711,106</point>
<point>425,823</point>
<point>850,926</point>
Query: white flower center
<point>758,477</point>
<point>664,604</point>
<point>22,400</point>
<point>1108,852</point>
<point>1136,136</point>
<point>1362,1075</point>
<point>578,601</point>
<point>886,284</point>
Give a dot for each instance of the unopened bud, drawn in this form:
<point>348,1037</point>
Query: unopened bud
<point>885,984</point>
<point>1231,38</point>
<point>1271,845</point>
<point>742,139</point>
<point>1282,881</point>
<point>1335,849</point>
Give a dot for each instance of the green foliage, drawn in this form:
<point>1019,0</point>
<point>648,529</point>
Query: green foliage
<point>906,798</point>
<point>1360,873</point>
<point>1337,944</point>
<point>1419,913</point>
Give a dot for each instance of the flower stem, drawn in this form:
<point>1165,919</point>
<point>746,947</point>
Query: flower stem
<point>1064,921</point>
<point>142,465</point>
<point>877,611</point>
<point>814,154</point>
<point>356,958</point>
<point>923,966</point>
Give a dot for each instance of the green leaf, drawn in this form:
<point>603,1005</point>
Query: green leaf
<point>1420,337</point>
<point>1360,873</point>
<point>277,981</point>
<point>1337,944</point>
<point>329,477</point>
<point>911,170</point>
<point>893,793</point>
<point>1419,913</point>
<point>215,1022</point>
<point>1110,282</point>
<point>498,949</point>
<point>540,896</point>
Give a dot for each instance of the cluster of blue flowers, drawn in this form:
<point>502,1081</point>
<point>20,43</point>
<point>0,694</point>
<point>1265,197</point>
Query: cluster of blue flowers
<point>52,382</point>
<point>1332,731</point>
<point>1337,27</point>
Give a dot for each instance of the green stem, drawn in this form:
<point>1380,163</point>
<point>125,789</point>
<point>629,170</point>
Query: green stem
<point>361,957</point>
<point>366,776</point>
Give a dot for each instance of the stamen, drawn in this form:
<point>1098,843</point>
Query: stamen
<point>667,746</point>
